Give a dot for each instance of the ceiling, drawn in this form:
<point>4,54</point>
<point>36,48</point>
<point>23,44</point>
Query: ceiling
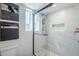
<point>53,8</point>
<point>35,6</point>
<point>58,6</point>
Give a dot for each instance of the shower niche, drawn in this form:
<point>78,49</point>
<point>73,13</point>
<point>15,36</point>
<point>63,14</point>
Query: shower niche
<point>9,21</point>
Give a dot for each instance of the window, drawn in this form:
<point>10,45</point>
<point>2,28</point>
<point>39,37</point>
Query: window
<point>37,18</point>
<point>38,23</point>
<point>28,21</point>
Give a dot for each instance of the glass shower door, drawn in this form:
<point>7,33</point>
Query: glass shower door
<point>40,35</point>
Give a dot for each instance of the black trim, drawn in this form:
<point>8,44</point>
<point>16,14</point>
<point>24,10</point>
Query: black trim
<point>50,4</point>
<point>33,34</point>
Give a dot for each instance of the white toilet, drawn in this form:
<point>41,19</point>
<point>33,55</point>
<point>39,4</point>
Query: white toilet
<point>8,50</point>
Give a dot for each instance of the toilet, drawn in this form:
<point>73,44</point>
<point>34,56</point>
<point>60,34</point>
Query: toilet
<point>8,50</point>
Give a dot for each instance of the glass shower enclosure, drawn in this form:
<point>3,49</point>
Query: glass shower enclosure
<point>57,33</point>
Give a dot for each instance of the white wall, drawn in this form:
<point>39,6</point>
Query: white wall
<point>62,40</point>
<point>25,42</point>
<point>25,38</point>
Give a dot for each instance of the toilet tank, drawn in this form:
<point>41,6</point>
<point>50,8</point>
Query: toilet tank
<point>8,51</point>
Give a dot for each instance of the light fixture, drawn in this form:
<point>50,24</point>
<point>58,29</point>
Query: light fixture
<point>54,5</point>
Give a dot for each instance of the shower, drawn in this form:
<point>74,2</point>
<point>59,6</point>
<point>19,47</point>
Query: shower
<point>55,30</point>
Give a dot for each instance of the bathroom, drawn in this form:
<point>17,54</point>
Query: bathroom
<point>43,29</point>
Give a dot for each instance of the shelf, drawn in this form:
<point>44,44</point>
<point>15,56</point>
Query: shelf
<point>4,6</point>
<point>9,15</point>
<point>9,27</point>
<point>8,11</point>
<point>10,21</point>
<point>41,34</point>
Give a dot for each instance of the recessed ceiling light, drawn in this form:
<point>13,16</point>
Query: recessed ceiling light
<point>54,5</point>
